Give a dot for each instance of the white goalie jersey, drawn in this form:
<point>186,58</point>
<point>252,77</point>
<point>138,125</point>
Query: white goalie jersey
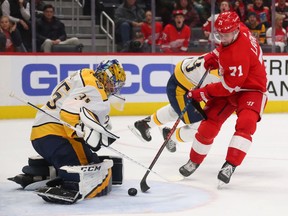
<point>81,89</point>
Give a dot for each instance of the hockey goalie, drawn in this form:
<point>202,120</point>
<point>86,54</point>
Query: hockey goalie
<point>68,164</point>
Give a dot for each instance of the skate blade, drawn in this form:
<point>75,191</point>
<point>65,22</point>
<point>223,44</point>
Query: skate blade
<point>221,185</point>
<point>136,133</point>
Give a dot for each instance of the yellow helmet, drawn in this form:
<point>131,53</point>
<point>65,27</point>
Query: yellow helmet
<point>112,75</point>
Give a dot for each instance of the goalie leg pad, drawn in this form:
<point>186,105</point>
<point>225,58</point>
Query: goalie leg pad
<point>37,170</point>
<point>94,180</point>
<point>38,166</point>
<point>58,195</point>
<point>117,169</point>
<point>37,160</point>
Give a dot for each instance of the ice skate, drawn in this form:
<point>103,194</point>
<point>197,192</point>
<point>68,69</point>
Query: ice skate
<point>189,168</point>
<point>171,145</point>
<point>225,174</point>
<point>141,129</point>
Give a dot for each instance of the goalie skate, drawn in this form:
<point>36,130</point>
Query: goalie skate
<point>141,129</point>
<point>58,195</point>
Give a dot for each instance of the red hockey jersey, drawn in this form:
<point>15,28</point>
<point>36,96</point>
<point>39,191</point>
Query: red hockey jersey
<point>173,40</point>
<point>146,29</point>
<point>241,66</point>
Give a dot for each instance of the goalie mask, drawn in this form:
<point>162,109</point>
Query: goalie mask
<point>112,75</point>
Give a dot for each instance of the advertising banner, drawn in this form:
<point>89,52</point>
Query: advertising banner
<point>34,77</point>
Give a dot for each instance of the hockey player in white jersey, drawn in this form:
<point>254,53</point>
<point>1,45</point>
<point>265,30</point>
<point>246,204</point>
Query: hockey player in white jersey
<point>186,76</point>
<point>81,100</point>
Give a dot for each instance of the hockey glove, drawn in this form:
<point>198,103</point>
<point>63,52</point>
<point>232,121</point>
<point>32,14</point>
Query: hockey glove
<point>95,134</point>
<point>199,95</point>
<point>90,136</point>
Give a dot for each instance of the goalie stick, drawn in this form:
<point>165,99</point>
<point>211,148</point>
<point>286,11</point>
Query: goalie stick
<point>143,184</point>
<point>80,132</point>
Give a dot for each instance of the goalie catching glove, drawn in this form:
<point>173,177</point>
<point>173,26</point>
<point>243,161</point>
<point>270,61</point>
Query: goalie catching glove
<point>94,133</point>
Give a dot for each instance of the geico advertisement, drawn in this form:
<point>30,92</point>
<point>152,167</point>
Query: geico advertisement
<point>34,77</point>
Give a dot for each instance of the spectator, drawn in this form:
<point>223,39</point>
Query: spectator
<point>2,42</point>
<point>39,7</point>
<point>224,6</point>
<point>263,12</point>
<point>258,29</point>
<point>164,9</point>
<point>176,36</point>
<point>203,8</point>
<point>137,44</point>
<point>240,8</point>
<point>19,12</point>
<point>191,15</point>
<point>13,40</point>
<point>1,1</point>
<point>268,3</point>
<point>51,31</point>
<point>129,18</point>
<point>146,29</point>
<point>280,33</point>
<point>281,7</point>
<point>99,7</point>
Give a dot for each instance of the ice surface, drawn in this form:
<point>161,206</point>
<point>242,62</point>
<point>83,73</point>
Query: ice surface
<point>258,186</point>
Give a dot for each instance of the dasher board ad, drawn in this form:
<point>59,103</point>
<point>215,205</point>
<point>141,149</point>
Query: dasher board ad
<point>34,77</point>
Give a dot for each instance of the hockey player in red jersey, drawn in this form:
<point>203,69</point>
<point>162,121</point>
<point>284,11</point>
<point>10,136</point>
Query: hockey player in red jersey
<point>176,36</point>
<point>242,90</point>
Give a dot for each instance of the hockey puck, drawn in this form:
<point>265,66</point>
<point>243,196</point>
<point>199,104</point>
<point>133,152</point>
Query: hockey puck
<point>132,191</point>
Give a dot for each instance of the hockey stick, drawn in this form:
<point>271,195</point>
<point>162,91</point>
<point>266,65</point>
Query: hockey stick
<point>143,184</point>
<point>81,132</point>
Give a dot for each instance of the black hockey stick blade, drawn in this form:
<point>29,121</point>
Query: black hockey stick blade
<point>143,185</point>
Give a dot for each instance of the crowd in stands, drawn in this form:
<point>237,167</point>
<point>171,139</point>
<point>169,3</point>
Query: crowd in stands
<point>175,23</point>
<point>179,18</point>
<point>50,31</point>
<point>15,27</point>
